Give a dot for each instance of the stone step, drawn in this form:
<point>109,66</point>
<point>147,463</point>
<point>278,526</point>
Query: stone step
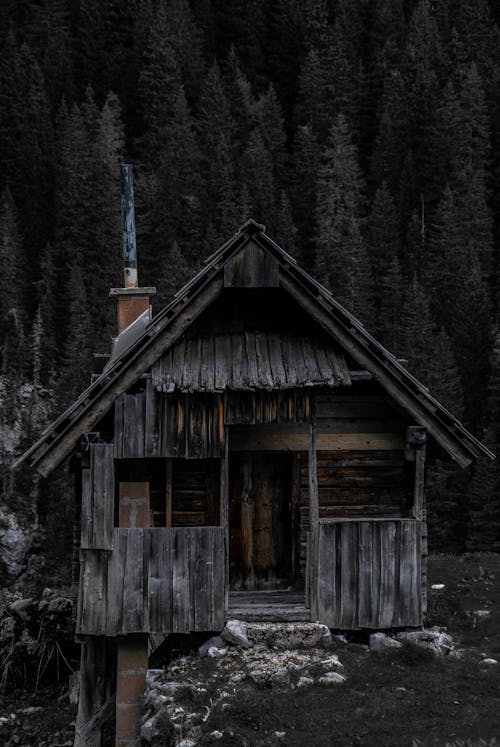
<point>270,613</point>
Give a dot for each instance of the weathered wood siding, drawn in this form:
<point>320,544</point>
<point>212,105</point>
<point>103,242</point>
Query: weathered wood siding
<point>250,359</point>
<point>368,574</point>
<point>257,408</point>
<point>150,424</point>
<point>251,267</point>
<point>98,499</point>
<point>154,580</point>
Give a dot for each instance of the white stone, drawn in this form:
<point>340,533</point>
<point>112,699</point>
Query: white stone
<point>383,642</point>
<point>332,678</point>
<point>482,613</point>
<point>305,682</point>
<point>235,631</point>
<point>489,661</point>
<point>216,734</point>
<point>148,729</point>
<point>214,652</point>
<point>437,587</point>
<point>214,642</point>
<point>186,743</point>
<point>280,734</point>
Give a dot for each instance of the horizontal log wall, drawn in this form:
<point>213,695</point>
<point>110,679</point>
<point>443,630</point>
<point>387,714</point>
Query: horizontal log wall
<point>153,581</point>
<point>369,574</point>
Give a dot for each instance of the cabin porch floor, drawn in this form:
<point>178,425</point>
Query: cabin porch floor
<point>277,605</point>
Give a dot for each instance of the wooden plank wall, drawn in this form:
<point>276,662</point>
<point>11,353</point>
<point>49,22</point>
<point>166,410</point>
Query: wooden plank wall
<point>355,484</point>
<point>254,408</point>
<point>98,499</point>
<point>154,581</point>
<point>150,424</point>
<point>369,574</point>
<point>251,267</point>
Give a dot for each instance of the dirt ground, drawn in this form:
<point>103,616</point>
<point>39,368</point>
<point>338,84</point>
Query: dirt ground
<point>404,698</point>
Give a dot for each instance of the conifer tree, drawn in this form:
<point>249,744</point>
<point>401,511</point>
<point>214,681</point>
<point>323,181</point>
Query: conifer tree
<point>341,259</point>
<point>383,244</point>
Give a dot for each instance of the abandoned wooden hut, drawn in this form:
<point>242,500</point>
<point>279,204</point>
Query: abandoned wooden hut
<point>253,452</point>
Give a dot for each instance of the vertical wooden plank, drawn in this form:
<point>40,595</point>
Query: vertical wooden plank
<point>86,538</point>
<point>113,612</point>
<point>168,492</point>
<point>103,487</point>
<point>375,529</point>
<point>410,573</point>
<point>152,430</point>
<point>365,564</point>
<point>140,418</point>
<point>418,496</point>
<point>180,581</point>
<point>328,611</point>
<point>349,575</point>
<point>313,510</point>
<point>118,427</point>
<point>220,583</point>
<point>396,612</point>
<point>387,574</point>
<point>160,581</point>
<point>247,521</point>
<point>224,516</point>
<point>131,566</point>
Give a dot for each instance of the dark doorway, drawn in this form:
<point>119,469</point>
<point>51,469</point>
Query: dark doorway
<point>261,522</point>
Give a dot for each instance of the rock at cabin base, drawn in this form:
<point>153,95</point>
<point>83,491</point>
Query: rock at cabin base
<point>436,641</point>
<point>383,642</point>
<point>216,642</point>
<point>235,632</point>
<point>282,636</point>
<point>331,678</point>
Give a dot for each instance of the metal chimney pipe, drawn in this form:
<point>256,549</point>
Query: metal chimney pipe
<point>128,226</point>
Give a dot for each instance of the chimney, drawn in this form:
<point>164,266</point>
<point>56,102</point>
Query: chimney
<point>132,301</point>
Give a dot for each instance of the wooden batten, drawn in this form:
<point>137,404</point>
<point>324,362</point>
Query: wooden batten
<point>369,574</point>
<point>156,580</point>
<point>98,495</point>
<point>251,267</point>
<point>313,514</point>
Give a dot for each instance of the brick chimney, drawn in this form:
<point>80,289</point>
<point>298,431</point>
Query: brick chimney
<point>132,301</point>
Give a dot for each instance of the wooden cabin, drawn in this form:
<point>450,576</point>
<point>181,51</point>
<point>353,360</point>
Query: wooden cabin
<point>251,451</point>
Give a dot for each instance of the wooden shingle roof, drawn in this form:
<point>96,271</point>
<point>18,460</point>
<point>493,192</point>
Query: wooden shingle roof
<point>250,360</point>
<point>273,267</point>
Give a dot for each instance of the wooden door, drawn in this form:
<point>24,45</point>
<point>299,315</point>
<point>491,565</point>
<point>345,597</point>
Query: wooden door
<point>260,520</point>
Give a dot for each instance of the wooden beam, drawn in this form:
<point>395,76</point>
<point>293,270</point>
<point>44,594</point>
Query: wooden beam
<point>93,696</point>
<point>224,516</point>
<point>266,438</point>
<point>397,389</point>
<point>143,359</point>
<point>312,571</point>
<point>418,493</point>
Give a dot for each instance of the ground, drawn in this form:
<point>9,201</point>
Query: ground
<point>405,697</point>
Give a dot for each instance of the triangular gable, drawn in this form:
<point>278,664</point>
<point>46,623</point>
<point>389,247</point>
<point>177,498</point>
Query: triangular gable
<point>251,259</point>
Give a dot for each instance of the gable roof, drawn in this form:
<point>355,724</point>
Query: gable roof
<point>279,268</point>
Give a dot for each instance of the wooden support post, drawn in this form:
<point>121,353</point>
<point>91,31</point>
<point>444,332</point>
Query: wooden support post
<point>418,492</point>
<point>224,516</point>
<point>312,570</point>
<point>132,650</point>
<point>93,702</point>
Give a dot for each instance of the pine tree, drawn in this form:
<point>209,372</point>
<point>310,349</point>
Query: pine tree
<point>305,164</point>
<point>11,259</point>
<point>383,244</point>
<point>341,258</point>
<point>390,292</point>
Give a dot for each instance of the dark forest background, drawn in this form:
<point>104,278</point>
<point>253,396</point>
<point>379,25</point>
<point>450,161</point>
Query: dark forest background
<point>365,135</point>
